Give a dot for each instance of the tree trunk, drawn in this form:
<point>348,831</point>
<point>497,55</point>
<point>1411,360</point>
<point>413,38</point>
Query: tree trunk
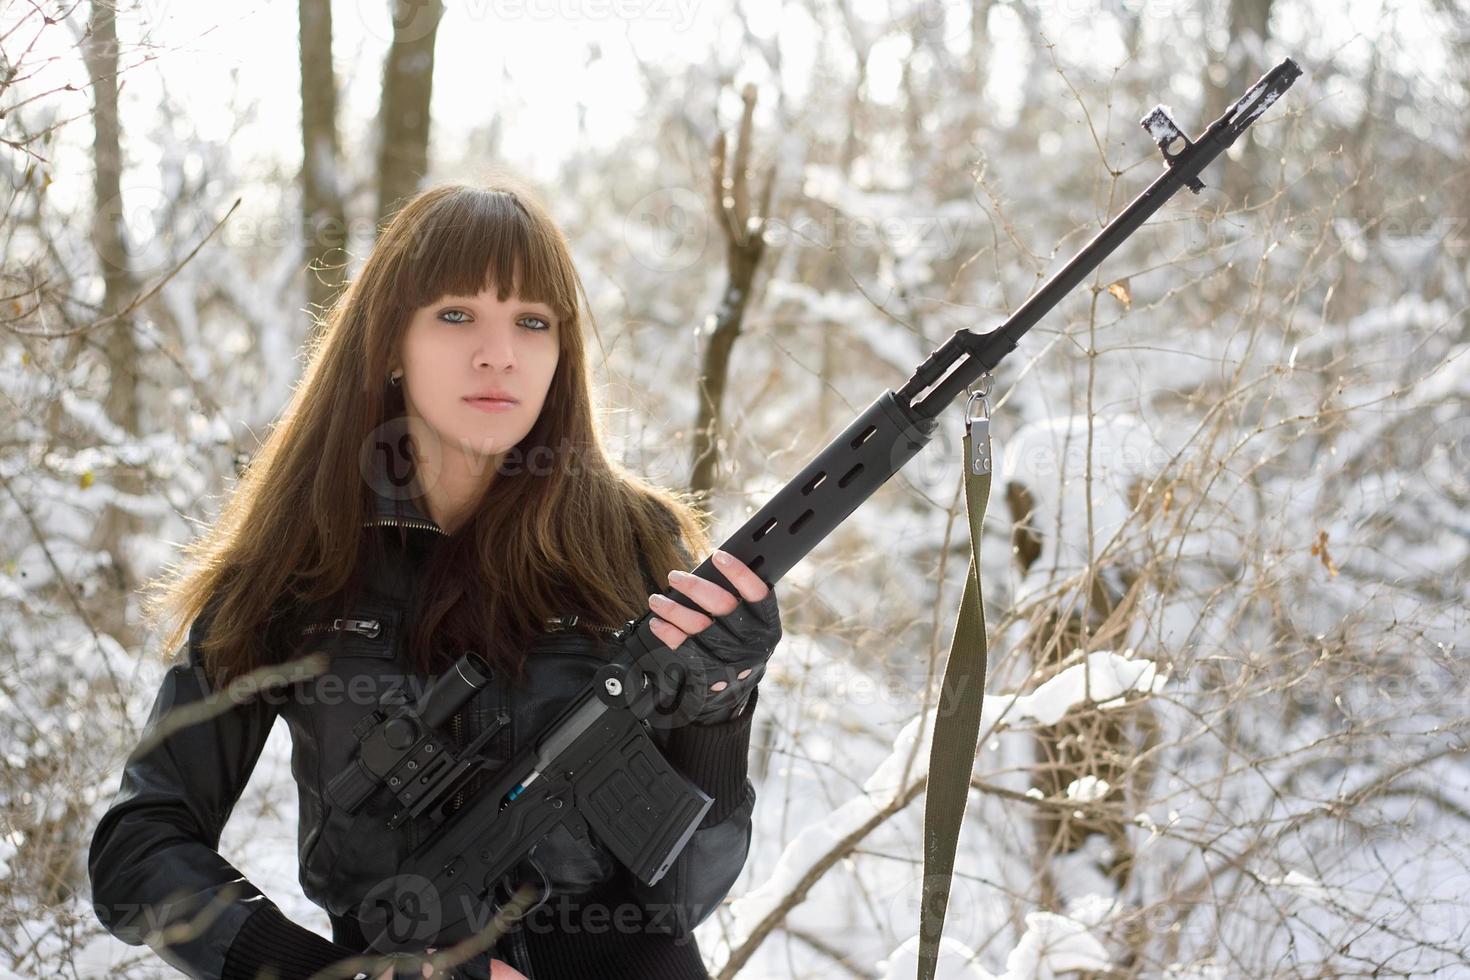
<point>1245,61</point>
<point>323,214</point>
<point>408,84</point>
<point>110,240</point>
<point>743,222</point>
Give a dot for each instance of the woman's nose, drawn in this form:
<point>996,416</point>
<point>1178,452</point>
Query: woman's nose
<point>496,349</point>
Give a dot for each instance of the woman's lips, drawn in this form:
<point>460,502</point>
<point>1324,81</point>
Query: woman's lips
<point>491,404</point>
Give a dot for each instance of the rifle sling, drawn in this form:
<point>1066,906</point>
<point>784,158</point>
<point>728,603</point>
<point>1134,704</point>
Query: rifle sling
<point>956,732</point>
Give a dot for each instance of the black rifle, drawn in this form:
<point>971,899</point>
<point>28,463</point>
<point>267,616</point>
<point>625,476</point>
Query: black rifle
<point>597,762</point>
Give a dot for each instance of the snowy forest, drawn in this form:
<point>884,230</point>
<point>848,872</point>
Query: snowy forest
<point>1224,727</point>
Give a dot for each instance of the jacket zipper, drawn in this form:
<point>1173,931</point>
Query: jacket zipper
<point>458,801</point>
<point>559,624</point>
<point>413,825</point>
<point>364,627</point>
<point>458,744</point>
<point>554,623</point>
<point>522,953</point>
<point>405,522</point>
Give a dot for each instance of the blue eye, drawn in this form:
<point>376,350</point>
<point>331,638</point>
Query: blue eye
<point>544,325</point>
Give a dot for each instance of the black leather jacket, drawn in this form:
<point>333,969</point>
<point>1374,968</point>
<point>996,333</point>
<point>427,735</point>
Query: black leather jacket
<point>154,856</point>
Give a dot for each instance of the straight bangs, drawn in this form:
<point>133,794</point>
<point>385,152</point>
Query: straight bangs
<point>472,239</point>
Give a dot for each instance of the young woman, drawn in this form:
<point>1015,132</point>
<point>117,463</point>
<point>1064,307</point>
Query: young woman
<point>436,485</point>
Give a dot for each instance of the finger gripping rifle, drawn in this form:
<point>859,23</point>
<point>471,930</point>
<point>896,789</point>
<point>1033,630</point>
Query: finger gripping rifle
<point>597,763</point>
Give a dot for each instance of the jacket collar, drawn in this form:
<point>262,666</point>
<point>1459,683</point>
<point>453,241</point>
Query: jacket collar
<point>391,511</point>
<point>395,509</point>
<point>402,511</point>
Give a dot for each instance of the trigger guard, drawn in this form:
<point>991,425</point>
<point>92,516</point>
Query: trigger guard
<point>505,888</point>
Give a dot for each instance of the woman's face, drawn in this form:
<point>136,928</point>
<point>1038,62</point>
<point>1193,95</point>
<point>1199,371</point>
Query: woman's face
<point>462,346</point>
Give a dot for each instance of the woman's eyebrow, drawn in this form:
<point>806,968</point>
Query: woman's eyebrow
<point>457,298</point>
<point>541,308</point>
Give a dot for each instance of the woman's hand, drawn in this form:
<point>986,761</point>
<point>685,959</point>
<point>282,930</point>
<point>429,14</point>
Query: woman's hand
<point>428,969</point>
<point>499,970</point>
<point>729,642</point>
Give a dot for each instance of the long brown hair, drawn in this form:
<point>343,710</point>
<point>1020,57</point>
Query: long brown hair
<point>553,538</point>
